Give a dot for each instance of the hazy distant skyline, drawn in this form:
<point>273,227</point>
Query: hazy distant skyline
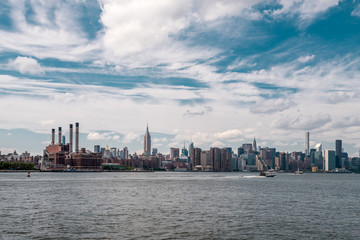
<point>217,72</point>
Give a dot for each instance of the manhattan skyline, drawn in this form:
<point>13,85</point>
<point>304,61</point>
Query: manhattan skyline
<point>217,73</point>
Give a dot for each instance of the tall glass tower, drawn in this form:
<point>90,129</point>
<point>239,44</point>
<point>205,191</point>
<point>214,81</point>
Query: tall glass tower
<point>307,143</point>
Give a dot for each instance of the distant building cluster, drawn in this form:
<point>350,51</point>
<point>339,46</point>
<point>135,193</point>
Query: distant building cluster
<point>248,157</point>
<point>60,155</point>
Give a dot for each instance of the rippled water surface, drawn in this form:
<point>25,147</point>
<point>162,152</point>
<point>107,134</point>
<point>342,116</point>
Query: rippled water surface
<point>170,205</point>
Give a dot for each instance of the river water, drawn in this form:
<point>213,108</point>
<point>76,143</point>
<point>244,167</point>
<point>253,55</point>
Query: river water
<point>171,205</point>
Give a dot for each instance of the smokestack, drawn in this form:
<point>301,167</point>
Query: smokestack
<point>59,135</point>
<point>77,137</point>
<point>53,136</point>
<point>71,138</point>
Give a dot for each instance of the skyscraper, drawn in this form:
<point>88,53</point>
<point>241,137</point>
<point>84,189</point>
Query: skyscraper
<point>338,153</point>
<point>96,148</point>
<point>147,142</point>
<point>126,153</point>
<point>174,152</point>
<point>254,145</point>
<point>184,151</point>
<point>307,145</point>
<point>329,160</point>
<point>191,147</point>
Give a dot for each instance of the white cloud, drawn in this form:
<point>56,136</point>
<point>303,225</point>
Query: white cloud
<point>305,59</point>
<point>96,136</point>
<point>270,106</point>
<point>347,122</point>
<point>131,137</point>
<point>308,9</point>
<point>26,65</point>
<point>50,122</point>
<point>307,122</point>
<point>218,144</point>
<point>102,136</point>
<point>356,11</point>
<point>52,31</point>
<point>338,97</point>
<point>143,32</point>
<point>204,110</point>
<point>229,134</point>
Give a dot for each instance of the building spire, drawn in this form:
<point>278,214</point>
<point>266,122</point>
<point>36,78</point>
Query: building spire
<point>147,141</point>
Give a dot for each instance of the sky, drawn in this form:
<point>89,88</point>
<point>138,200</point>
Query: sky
<point>214,72</point>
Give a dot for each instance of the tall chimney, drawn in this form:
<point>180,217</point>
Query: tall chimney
<point>53,136</point>
<point>77,137</point>
<point>71,138</point>
<point>59,135</point>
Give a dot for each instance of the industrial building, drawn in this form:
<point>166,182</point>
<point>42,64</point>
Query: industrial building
<point>60,155</point>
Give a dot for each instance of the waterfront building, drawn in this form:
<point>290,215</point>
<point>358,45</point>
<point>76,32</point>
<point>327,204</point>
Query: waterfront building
<point>268,156</point>
<point>312,156</point>
<point>318,160</point>
<point>355,164</point>
<point>248,161</point>
<point>126,153</point>
<point>225,159</point>
<point>174,153</point>
<point>60,156</point>
<point>329,159</point>
<point>147,142</point>
<point>307,143</point>
<point>338,153</point>
<point>205,160</point>
<point>215,154</point>
<point>196,157</point>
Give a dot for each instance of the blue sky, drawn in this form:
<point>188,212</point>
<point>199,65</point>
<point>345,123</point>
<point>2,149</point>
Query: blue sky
<point>217,72</point>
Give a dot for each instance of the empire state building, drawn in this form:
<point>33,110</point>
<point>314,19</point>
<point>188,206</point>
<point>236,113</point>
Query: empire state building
<point>147,142</point>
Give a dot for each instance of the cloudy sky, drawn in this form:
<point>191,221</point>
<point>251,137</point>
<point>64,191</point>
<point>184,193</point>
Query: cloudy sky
<point>217,72</point>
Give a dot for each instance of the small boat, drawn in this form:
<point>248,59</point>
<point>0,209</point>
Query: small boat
<point>270,173</point>
<point>299,172</point>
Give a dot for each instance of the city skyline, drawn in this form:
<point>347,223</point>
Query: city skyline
<point>62,134</point>
<point>218,73</point>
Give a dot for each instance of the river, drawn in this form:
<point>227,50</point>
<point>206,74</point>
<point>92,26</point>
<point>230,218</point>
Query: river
<point>172,205</point>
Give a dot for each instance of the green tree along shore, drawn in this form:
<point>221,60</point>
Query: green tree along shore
<point>16,166</point>
<point>117,168</point>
